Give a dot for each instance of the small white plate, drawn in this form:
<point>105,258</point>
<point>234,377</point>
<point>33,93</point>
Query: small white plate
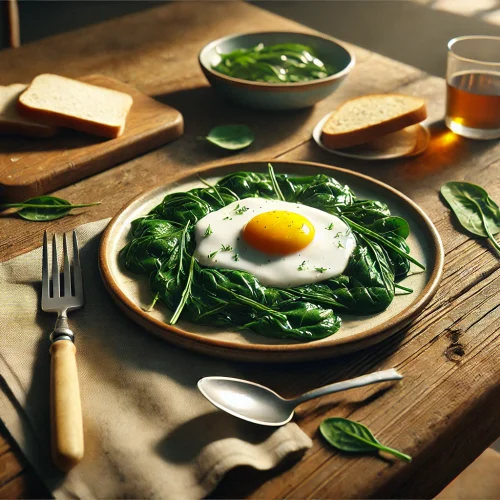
<point>380,149</point>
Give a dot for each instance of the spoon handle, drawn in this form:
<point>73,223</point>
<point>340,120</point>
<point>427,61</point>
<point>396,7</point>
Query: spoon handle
<point>371,378</point>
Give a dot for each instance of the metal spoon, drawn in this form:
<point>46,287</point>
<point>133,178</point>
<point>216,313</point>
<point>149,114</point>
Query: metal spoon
<point>260,405</point>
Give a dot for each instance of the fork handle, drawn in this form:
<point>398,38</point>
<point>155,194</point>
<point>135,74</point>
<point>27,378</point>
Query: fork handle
<point>65,406</point>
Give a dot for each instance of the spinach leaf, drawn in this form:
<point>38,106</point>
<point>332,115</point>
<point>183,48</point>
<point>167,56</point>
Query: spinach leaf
<point>346,435</point>
<point>231,137</point>
<point>153,244</point>
<point>182,208</point>
<point>224,297</point>
<point>366,212</point>
<point>475,210</point>
<point>399,260</point>
<point>247,185</point>
<point>390,226</point>
<point>44,208</point>
<point>386,242</point>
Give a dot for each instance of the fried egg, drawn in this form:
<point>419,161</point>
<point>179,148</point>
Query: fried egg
<point>282,244</point>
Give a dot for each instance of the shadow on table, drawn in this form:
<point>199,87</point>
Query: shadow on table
<point>65,139</point>
<point>180,447</point>
<point>203,109</point>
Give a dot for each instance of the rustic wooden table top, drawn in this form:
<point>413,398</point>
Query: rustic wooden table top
<point>445,413</point>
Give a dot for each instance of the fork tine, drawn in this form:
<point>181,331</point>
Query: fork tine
<point>55,268</point>
<point>45,269</point>
<point>77,270</point>
<point>67,270</point>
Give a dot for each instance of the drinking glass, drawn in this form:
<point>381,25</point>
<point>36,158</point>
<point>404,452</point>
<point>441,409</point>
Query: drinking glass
<point>473,86</point>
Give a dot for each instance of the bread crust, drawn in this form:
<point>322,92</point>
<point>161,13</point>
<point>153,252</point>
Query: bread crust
<point>366,134</point>
<point>61,120</point>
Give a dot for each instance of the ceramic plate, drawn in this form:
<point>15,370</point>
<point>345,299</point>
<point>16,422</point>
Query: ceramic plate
<point>131,291</point>
<point>410,141</point>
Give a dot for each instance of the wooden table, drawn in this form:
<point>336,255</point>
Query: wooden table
<point>446,411</point>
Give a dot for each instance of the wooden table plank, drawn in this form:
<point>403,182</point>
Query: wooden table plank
<point>445,412</point>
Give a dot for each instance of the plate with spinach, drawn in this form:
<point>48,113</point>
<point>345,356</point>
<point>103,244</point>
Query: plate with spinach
<point>147,261</point>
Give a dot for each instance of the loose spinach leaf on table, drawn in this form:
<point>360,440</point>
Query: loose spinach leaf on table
<point>346,435</point>
<point>475,210</point>
<point>163,244</point>
<point>44,208</point>
<point>231,137</point>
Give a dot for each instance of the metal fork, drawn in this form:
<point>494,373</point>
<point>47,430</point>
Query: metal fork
<point>65,405</point>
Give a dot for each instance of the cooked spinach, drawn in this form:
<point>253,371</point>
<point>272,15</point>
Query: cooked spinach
<point>353,437</point>
<point>44,208</point>
<point>282,63</point>
<point>475,210</point>
<point>230,137</point>
<point>163,243</point>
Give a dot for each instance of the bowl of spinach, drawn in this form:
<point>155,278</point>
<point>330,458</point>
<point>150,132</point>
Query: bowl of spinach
<point>147,263</point>
<point>275,70</point>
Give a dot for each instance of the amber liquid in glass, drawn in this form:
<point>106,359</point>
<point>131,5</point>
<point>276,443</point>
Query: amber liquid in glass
<point>473,100</point>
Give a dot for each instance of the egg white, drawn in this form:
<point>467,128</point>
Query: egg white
<point>325,257</point>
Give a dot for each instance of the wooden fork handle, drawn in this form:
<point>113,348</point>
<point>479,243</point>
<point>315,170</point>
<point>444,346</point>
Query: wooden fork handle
<point>65,406</point>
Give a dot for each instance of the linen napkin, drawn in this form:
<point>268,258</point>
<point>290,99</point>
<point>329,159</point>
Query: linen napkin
<point>149,433</point>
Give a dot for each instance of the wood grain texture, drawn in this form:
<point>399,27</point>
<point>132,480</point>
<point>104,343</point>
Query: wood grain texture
<point>445,413</point>
<point>30,167</point>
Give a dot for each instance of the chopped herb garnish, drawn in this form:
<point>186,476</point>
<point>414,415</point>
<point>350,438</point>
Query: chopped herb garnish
<point>213,254</point>
<point>209,231</point>
<point>330,227</point>
<point>302,266</point>
<point>339,245</point>
<point>320,269</point>
<point>236,257</point>
<point>240,210</point>
<point>226,248</point>
<point>227,218</point>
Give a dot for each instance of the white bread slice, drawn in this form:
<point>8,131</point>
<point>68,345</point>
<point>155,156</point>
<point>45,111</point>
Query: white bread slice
<point>366,118</point>
<point>64,102</point>
<point>11,122</point>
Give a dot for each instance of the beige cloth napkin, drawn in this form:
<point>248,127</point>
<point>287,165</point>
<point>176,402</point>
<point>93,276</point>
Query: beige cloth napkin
<point>148,431</point>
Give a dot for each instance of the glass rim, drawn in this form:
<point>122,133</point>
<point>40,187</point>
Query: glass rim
<point>453,41</point>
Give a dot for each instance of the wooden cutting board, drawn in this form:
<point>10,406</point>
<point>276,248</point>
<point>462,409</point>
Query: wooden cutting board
<point>30,167</point>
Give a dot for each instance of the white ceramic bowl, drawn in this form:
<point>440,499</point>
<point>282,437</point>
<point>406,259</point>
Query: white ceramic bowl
<point>275,96</point>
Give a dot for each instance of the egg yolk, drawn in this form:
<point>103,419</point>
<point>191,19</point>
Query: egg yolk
<point>278,232</point>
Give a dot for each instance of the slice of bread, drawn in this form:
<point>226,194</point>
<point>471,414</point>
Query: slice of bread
<point>398,143</point>
<point>366,118</point>
<point>64,102</point>
<point>11,122</point>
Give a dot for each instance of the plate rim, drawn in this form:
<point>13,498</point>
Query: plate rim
<point>270,352</point>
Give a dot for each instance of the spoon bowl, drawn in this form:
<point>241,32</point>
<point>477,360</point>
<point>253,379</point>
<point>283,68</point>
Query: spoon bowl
<point>260,405</point>
<point>247,400</point>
